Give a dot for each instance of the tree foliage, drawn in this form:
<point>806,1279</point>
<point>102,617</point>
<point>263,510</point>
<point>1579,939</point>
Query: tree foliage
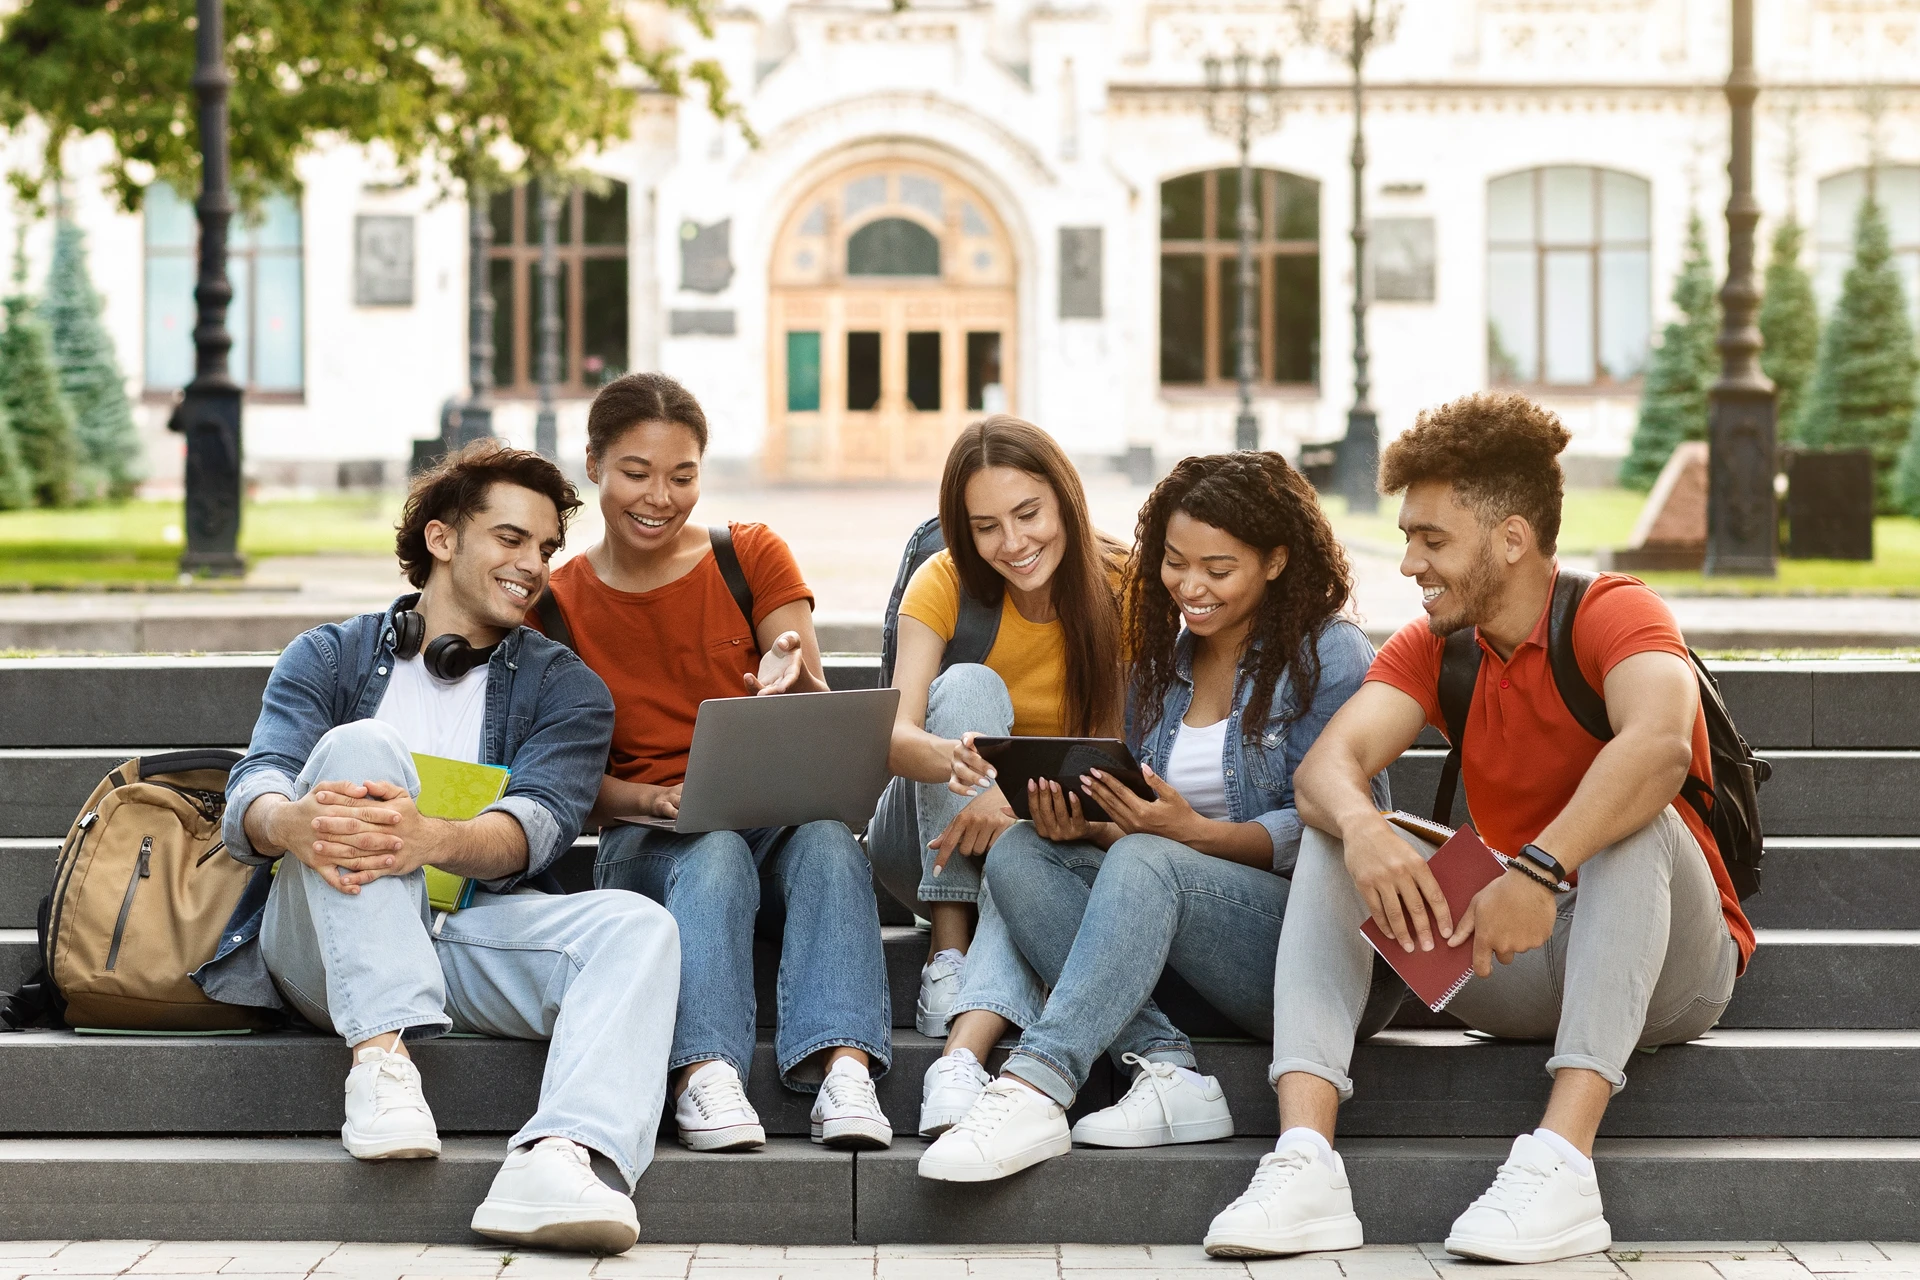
<point>1673,399</point>
<point>30,396</point>
<point>16,485</point>
<point>1862,394</point>
<point>1789,325</point>
<point>1906,478</point>
<point>89,372</point>
<point>473,83</point>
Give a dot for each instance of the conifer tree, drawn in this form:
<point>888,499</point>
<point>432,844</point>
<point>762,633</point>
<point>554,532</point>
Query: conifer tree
<point>16,485</point>
<point>89,372</point>
<point>30,394</point>
<point>1862,394</point>
<point>1789,325</point>
<point>1906,480</point>
<point>1673,399</point>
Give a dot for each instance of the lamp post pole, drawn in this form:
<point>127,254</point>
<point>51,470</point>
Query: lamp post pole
<point>209,410</point>
<point>476,415</point>
<point>1359,460</point>
<point>1742,521</point>
<point>546,432</point>
<point>1239,111</point>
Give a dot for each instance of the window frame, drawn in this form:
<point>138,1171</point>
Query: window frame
<point>522,253</point>
<point>1214,251</point>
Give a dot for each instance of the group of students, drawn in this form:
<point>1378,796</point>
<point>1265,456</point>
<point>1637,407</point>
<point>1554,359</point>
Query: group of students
<point>1218,646</point>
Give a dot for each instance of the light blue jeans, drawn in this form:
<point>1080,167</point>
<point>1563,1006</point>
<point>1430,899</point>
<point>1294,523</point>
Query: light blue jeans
<point>965,698</point>
<point>1101,927</point>
<point>808,883</point>
<point>594,973</point>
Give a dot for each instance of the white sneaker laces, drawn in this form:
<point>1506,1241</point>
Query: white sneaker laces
<point>1276,1169</point>
<point>568,1150</point>
<point>1514,1188</point>
<point>1159,1076</point>
<point>396,1083</point>
<point>989,1111</point>
<point>845,1092</point>
<point>718,1097</point>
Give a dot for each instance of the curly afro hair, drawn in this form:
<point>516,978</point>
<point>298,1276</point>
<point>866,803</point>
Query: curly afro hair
<point>1499,450</point>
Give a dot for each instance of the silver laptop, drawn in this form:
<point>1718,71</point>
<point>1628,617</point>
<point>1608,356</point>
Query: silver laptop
<point>785,759</point>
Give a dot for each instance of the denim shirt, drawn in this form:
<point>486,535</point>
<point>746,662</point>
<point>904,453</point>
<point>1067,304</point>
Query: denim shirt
<point>548,719</point>
<point>1260,775</point>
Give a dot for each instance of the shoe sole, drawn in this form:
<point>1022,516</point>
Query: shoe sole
<point>938,1124</point>
<point>1586,1237</point>
<point>1209,1131</point>
<point>537,1225</point>
<point>739,1137</point>
<point>1323,1235</point>
<point>414,1148</point>
<point>854,1134</point>
<point>940,1172</point>
<point>932,1026</point>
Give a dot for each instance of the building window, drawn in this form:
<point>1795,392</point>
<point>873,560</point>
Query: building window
<point>1569,277</point>
<point>1897,189</point>
<point>265,316</point>
<point>1199,278</point>
<point>592,253</point>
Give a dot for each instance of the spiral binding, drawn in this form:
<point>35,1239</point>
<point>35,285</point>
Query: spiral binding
<point>1452,991</point>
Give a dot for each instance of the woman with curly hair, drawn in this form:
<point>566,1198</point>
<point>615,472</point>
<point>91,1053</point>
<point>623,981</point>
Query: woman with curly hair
<point>1240,657</point>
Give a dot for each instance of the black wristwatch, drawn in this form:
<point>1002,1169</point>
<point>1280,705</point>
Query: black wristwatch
<point>1534,859</point>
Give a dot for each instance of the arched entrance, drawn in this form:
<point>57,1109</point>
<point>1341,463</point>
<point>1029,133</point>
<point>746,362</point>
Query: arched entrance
<point>890,323</point>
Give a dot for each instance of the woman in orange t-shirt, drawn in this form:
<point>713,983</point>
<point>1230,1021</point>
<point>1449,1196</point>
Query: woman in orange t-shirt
<point>650,612</point>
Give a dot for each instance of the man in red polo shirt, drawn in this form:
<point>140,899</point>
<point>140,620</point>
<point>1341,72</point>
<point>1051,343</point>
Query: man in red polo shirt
<point>1643,952</point>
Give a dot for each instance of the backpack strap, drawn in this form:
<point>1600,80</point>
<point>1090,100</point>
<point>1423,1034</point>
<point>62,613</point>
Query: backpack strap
<point>728,561</point>
<point>974,631</point>
<point>1459,672</point>
<point>1588,705</point>
<point>218,758</point>
<point>552,621</point>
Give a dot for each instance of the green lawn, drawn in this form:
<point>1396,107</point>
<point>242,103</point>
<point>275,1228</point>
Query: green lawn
<point>1589,519</point>
<point>131,543</point>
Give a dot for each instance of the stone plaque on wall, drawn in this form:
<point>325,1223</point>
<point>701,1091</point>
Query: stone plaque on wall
<point>383,260</point>
<point>702,323</point>
<point>1080,273</point>
<point>1401,250</point>
<point>706,256</point>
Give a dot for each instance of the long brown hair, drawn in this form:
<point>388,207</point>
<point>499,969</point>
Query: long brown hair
<point>1081,592</point>
<point>1265,503</point>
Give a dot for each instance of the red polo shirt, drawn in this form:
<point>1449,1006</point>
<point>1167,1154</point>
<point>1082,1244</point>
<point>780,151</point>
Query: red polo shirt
<point>1525,754</point>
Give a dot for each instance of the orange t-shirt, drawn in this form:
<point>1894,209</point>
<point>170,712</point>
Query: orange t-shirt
<point>663,652</point>
<point>1525,753</point>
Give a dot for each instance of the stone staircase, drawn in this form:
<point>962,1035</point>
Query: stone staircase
<point>1798,1118</point>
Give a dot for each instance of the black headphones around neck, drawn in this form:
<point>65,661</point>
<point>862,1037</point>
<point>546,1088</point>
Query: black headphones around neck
<point>448,657</point>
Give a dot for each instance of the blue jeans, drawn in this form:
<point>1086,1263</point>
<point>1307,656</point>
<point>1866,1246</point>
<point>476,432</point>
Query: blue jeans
<point>810,881</point>
<point>592,972</point>
<point>1100,928</point>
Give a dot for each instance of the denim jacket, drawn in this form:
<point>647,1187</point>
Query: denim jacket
<point>1260,776</point>
<point>548,719</point>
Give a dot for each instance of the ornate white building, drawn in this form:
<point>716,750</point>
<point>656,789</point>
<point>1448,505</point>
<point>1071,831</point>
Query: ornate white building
<point>956,207</point>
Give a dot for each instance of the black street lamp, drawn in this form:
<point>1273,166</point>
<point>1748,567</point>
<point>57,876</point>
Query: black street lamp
<point>1742,520</point>
<point>546,432</point>
<point>1239,110</point>
<point>209,410</point>
<point>476,415</point>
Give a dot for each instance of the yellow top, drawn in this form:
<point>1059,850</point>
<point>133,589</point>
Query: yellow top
<point>1031,657</point>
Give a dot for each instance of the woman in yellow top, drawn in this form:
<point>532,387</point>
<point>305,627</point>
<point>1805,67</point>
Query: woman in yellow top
<point>1019,539</point>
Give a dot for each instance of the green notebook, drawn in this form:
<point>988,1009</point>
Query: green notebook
<point>455,790</point>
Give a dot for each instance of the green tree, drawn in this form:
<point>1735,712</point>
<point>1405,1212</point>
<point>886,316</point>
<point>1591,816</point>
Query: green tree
<point>30,394</point>
<point>1862,394</point>
<point>1789,324</point>
<point>1906,480</point>
<point>1673,399</point>
<point>16,485</point>
<point>89,372</point>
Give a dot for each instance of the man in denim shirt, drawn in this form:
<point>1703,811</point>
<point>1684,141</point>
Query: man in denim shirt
<point>346,934</point>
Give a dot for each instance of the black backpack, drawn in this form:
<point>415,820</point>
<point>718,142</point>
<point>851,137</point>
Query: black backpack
<point>1730,808</point>
<point>554,623</point>
<point>973,632</point>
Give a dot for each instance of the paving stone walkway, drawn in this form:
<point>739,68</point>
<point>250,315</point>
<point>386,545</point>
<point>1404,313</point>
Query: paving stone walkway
<point>1754,1260</point>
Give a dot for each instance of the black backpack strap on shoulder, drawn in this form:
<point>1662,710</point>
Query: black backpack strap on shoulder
<point>552,621</point>
<point>974,631</point>
<point>1459,672</point>
<point>728,561</point>
<point>1588,705</point>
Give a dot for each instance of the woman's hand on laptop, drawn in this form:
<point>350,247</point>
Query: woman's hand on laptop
<point>780,667</point>
<point>664,802</point>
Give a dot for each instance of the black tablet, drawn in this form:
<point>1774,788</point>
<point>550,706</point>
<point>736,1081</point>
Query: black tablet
<point>1062,760</point>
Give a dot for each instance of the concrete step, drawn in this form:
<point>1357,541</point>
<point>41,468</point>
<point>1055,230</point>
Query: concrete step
<point>207,701</point>
<point>1408,1083</point>
<point>795,1193</point>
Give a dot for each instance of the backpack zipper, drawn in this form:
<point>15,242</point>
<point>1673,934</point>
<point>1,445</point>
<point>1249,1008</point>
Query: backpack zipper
<point>63,870</point>
<point>140,873</point>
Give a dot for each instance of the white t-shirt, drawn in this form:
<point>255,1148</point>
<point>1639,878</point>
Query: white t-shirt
<point>436,717</point>
<point>1196,770</point>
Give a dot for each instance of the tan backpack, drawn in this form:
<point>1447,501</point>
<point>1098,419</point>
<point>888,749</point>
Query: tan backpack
<point>141,894</point>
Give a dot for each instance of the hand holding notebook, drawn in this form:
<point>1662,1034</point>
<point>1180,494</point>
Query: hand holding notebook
<point>1463,867</point>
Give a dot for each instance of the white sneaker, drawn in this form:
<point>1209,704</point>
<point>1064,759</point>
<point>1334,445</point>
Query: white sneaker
<point>939,988</point>
<point>1539,1209</point>
<point>548,1195</point>
<point>1163,1106</point>
<point>1295,1204</point>
<point>1008,1128</point>
<point>713,1113</point>
<point>951,1086</point>
<point>387,1115</point>
<point>846,1112</point>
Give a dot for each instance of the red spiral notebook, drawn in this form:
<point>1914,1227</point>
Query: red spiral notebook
<point>1463,866</point>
